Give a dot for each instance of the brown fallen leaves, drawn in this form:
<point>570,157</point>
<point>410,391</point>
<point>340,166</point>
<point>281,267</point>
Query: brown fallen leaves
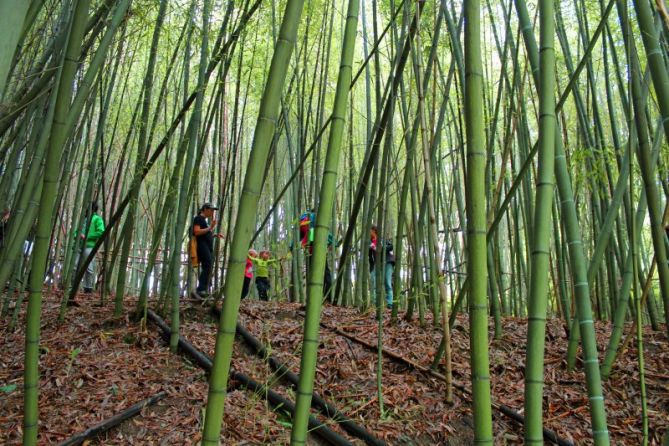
<point>93,367</point>
<point>415,401</point>
<point>117,366</point>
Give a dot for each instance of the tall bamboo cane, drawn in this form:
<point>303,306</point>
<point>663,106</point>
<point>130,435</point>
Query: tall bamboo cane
<point>640,116</point>
<point>578,265</point>
<point>262,138</point>
<point>189,164</point>
<point>658,71</point>
<point>476,226</point>
<point>323,218</point>
<point>47,203</point>
<point>128,231</point>
<point>534,364</point>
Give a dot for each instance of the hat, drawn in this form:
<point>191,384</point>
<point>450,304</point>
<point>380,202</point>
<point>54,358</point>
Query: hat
<point>208,205</point>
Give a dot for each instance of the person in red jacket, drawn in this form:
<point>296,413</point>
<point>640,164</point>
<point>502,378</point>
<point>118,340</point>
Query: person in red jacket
<point>248,272</point>
<point>307,232</point>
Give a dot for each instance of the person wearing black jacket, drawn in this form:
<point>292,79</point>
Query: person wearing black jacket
<point>204,235</point>
<point>389,265</point>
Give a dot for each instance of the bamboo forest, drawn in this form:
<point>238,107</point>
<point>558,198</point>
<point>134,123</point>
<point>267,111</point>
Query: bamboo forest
<point>334,222</point>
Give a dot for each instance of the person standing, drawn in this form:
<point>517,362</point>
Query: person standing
<point>248,272</point>
<point>263,263</point>
<point>204,236</point>
<point>307,232</point>
<point>389,265</point>
<point>96,226</point>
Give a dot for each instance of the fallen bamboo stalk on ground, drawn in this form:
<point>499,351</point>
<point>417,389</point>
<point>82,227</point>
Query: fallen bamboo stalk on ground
<point>113,421</point>
<point>277,401</point>
<point>317,402</point>
<point>506,410</point>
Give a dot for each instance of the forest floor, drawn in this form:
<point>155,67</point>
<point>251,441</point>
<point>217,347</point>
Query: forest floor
<point>93,366</point>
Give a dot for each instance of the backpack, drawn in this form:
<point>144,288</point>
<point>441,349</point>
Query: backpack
<point>192,249</point>
<point>307,224</point>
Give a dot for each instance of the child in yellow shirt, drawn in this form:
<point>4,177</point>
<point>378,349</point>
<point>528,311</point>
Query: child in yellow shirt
<point>262,264</point>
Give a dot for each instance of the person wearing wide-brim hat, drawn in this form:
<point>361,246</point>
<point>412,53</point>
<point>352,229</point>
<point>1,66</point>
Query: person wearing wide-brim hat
<point>204,235</point>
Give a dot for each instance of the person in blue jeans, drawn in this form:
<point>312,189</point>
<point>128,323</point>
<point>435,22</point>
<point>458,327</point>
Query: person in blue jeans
<point>388,267</point>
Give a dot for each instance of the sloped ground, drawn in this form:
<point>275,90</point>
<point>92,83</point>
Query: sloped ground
<point>346,375</point>
<point>118,365</point>
<point>346,378</point>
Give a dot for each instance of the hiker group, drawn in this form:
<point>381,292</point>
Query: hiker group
<point>260,262</point>
<point>201,250</point>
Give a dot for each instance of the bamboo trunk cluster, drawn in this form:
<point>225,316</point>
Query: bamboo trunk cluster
<point>510,179</point>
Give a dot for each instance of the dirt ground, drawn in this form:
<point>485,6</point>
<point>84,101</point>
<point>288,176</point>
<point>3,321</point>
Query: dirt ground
<point>93,366</point>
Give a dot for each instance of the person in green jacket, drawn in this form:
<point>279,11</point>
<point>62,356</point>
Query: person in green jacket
<point>95,229</point>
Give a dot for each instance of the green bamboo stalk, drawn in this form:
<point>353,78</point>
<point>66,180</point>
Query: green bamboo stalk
<point>435,272</point>
<point>372,153</point>
<point>25,204</point>
<point>653,312</point>
<point>12,16</point>
<point>655,56</point>
<point>73,243</point>
<point>476,226</point>
<point>29,91</point>
<point>13,177</point>
<point>28,22</point>
<point>253,180</point>
<point>578,265</point>
<point>347,298</point>
<point>323,218</point>
<point>641,134</point>
<point>637,100</point>
<point>660,77</point>
<point>141,155</point>
<point>167,208</point>
<point>82,224</point>
<point>410,141</point>
<point>607,226</point>
<point>381,265</point>
<point>561,270</point>
<point>220,50</point>
<point>185,195</point>
<point>47,204</point>
<point>534,364</point>
<point>86,83</point>
<point>418,285</point>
